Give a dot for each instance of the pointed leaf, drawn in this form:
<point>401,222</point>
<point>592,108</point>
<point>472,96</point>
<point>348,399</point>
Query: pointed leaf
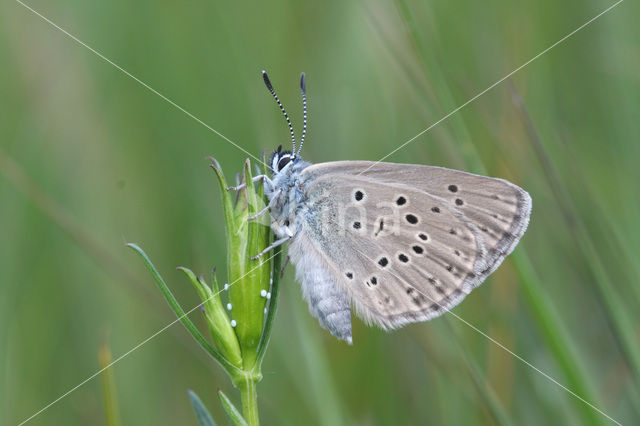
<point>231,410</point>
<point>223,335</point>
<point>182,316</point>
<point>202,414</point>
<point>271,308</point>
<point>111,410</point>
<point>227,204</point>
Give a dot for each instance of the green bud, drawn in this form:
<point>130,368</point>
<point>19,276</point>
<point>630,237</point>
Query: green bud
<point>249,280</point>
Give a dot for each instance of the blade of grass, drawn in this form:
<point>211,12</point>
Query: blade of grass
<point>482,385</point>
<point>111,410</point>
<point>202,414</point>
<point>619,316</point>
<point>276,276</point>
<point>323,391</point>
<point>272,307</point>
<point>231,410</point>
<point>444,96</point>
<point>555,334</point>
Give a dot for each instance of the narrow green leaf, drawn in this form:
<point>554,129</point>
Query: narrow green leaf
<point>223,335</point>
<point>203,291</point>
<point>111,411</point>
<point>231,410</point>
<point>621,319</point>
<point>202,414</point>
<point>272,307</point>
<point>184,319</point>
<point>320,388</point>
<point>227,203</point>
<point>557,339</point>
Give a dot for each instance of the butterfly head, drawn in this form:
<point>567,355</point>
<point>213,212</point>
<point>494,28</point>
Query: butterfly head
<point>281,159</point>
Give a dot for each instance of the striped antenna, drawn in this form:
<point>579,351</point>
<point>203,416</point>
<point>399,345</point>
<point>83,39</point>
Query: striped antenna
<point>270,87</point>
<point>303,88</point>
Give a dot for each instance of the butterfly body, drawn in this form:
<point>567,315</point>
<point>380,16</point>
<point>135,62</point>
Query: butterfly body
<point>293,216</point>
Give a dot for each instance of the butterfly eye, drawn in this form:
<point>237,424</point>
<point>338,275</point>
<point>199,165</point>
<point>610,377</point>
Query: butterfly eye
<point>283,162</point>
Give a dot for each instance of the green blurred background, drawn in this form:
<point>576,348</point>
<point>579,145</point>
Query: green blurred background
<point>90,159</point>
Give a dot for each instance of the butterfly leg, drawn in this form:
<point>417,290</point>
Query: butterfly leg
<point>284,266</point>
<point>266,209</point>
<point>271,247</point>
<point>263,178</point>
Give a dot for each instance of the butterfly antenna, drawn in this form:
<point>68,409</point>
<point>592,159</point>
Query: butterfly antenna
<point>303,88</point>
<point>273,92</point>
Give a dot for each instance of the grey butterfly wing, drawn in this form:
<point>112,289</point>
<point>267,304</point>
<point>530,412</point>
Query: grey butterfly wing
<point>396,240</point>
<point>499,209</point>
<point>397,263</point>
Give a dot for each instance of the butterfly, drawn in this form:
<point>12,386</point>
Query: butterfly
<point>398,243</point>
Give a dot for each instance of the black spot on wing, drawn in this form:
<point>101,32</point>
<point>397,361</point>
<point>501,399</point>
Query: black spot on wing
<point>412,219</point>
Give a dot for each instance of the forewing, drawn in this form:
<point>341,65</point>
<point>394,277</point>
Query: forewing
<point>400,244</point>
<point>499,209</point>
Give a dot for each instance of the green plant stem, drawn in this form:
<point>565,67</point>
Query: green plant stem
<point>249,396</point>
<point>111,411</point>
